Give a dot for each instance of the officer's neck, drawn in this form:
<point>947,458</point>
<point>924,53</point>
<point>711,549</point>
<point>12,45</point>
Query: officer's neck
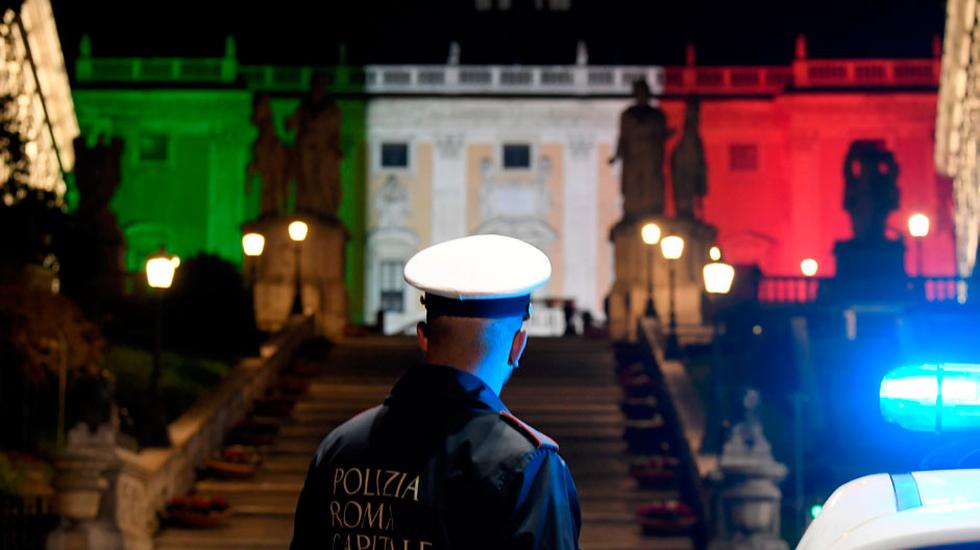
<point>492,373</point>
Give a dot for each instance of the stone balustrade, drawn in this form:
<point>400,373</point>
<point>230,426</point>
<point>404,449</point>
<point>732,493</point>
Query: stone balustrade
<point>139,484</point>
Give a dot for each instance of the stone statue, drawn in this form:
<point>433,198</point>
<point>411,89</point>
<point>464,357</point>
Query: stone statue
<point>687,166</point>
<point>643,133</point>
<point>871,191</point>
<point>270,160</point>
<point>318,151</point>
<point>93,263</point>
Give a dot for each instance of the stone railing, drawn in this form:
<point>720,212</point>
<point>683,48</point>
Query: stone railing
<point>144,481</point>
<point>521,80</point>
<point>682,409</point>
<point>799,290</point>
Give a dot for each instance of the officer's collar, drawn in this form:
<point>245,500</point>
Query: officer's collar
<point>433,382</point>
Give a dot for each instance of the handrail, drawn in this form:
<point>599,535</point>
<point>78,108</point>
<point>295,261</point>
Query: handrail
<point>145,480</point>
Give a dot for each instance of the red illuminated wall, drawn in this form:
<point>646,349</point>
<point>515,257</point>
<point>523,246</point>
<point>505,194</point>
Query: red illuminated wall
<point>776,177</point>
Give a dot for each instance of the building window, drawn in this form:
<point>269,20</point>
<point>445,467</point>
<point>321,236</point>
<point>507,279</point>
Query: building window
<point>392,287</point>
<point>517,156</point>
<point>489,5</point>
<point>153,148</point>
<point>743,157</point>
<point>553,5</point>
<point>394,155</point>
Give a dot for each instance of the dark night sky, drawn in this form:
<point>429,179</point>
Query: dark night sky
<point>404,31</point>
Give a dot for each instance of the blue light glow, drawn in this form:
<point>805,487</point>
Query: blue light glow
<point>938,397</point>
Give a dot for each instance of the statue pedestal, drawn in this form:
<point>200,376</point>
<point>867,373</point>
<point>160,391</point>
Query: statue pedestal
<point>80,484</point>
<point>321,262</point>
<point>868,271</point>
<point>628,297</point>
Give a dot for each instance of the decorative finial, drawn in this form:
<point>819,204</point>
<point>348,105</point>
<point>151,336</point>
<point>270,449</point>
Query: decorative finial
<point>937,46</point>
<point>85,46</point>
<point>581,54</point>
<point>230,50</point>
<point>454,53</point>
<point>801,47</point>
<point>690,54</point>
<point>342,54</point>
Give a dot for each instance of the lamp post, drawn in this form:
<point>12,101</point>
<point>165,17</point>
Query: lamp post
<point>718,277</point>
<point>651,236</point>
<point>160,270</point>
<point>918,228</point>
<point>672,248</point>
<point>297,233</point>
<point>252,245</point>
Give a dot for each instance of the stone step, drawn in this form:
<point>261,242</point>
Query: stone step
<point>566,388</point>
<point>275,531</point>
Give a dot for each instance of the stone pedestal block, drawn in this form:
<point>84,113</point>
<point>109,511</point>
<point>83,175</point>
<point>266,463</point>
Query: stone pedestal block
<point>867,271</point>
<point>628,297</point>
<point>321,264</point>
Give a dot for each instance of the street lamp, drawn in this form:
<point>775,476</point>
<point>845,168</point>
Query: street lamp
<point>718,277</point>
<point>297,233</point>
<point>252,245</point>
<point>918,228</point>
<point>672,248</point>
<point>160,269</point>
<point>651,236</point>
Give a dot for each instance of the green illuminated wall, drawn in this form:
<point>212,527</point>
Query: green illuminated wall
<point>183,170</point>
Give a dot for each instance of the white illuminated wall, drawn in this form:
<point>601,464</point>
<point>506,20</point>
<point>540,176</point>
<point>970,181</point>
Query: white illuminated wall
<point>455,185</point>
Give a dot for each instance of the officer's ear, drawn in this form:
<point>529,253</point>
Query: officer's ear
<point>517,347</point>
<point>422,330</point>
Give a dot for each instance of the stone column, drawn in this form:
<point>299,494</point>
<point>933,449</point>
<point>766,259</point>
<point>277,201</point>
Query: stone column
<point>449,188</point>
<point>581,222</point>
<point>81,483</point>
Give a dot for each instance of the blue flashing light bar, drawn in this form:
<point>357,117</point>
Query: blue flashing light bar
<point>932,398</point>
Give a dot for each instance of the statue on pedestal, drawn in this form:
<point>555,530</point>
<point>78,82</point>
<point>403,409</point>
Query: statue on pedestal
<point>93,261</point>
<point>643,133</point>
<point>870,189</point>
<point>270,160</point>
<point>688,168</point>
<point>318,151</point>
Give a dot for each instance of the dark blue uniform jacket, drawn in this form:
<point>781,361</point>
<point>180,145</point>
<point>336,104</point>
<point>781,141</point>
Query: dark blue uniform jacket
<point>441,464</point>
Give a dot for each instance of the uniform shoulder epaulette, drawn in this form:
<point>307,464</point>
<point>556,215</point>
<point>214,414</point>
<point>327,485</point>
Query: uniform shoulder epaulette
<point>539,439</point>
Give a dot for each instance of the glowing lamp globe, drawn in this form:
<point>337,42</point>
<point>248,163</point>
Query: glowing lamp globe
<point>672,247</point>
<point>928,398</point>
<point>918,225</point>
<point>650,233</point>
<point>160,270</point>
<point>809,267</point>
<point>714,253</point>
<point>253,244</point>
<point>298,231</point>
<point>718,278</point>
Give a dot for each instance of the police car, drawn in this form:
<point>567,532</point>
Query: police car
<point>918,510</point>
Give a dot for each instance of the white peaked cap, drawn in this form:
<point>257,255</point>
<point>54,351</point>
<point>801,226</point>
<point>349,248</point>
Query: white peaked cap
<point>480,267</point>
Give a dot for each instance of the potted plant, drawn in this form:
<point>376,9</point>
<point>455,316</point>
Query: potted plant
<point>235,462</point>
<point>198,511</point>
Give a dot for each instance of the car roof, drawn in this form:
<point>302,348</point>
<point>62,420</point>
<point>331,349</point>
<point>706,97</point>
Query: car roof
<point>866,513</point>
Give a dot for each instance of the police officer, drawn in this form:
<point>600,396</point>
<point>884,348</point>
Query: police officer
<point>441,463</point>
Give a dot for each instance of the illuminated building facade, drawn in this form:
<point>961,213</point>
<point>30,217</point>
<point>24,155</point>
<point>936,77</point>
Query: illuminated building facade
<point>958,126</point>
<point>33,76</point>
<point>434,152</point>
